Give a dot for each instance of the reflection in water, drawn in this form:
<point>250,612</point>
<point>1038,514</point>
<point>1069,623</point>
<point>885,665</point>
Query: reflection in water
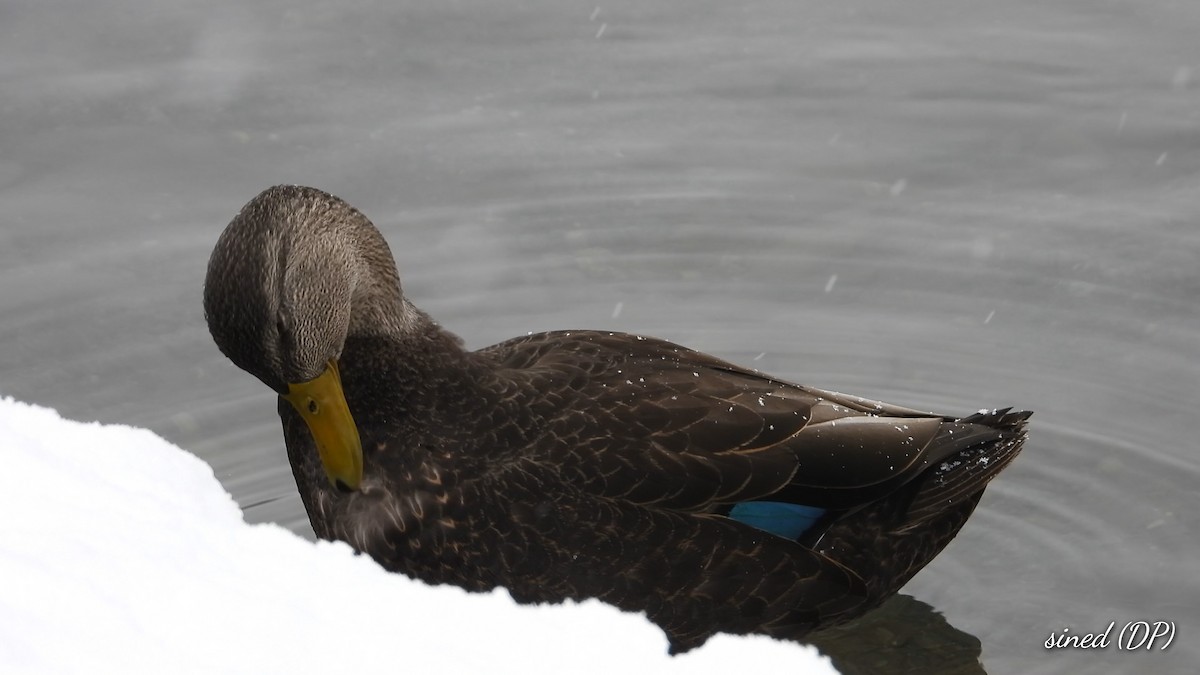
<point>903,637</point>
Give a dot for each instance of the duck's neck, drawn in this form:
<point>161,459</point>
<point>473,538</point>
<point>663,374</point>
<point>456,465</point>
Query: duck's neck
<point>377,304</point>
<point>377,308</point>
<point>393,381</point>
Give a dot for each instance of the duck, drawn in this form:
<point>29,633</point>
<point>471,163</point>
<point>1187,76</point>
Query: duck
<point>579,464</point>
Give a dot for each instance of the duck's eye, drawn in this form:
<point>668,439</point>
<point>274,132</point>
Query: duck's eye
<point>312,406</point>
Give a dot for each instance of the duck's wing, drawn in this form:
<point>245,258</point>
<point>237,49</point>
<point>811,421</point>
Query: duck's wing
<point>651,422</point>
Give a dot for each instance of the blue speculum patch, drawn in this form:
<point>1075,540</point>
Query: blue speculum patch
<point>781,519</point>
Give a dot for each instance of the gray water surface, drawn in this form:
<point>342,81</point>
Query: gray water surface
<point>946,205</point>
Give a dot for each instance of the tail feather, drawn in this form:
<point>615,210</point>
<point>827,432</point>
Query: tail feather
<point>988,441</point>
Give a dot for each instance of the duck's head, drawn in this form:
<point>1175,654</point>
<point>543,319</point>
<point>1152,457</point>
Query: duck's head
<point>293,274</point>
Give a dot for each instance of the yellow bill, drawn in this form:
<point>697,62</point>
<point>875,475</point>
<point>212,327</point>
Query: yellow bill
<point>322,404</point>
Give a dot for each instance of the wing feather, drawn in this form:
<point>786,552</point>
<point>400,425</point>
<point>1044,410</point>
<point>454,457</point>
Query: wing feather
<point>690,432</point>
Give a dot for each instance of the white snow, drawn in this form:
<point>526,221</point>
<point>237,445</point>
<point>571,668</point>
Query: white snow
<point>121,553</point>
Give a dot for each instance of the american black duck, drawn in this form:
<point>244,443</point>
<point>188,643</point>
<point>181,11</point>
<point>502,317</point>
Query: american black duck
<point>579,464</point>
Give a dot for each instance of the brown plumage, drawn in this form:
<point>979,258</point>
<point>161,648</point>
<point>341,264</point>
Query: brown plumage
<point>578,464</point>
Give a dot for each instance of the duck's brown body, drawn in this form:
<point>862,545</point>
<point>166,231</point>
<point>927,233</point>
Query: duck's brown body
<point>588,464</point>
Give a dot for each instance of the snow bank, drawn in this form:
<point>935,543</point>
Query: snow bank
<point>121,553</point>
